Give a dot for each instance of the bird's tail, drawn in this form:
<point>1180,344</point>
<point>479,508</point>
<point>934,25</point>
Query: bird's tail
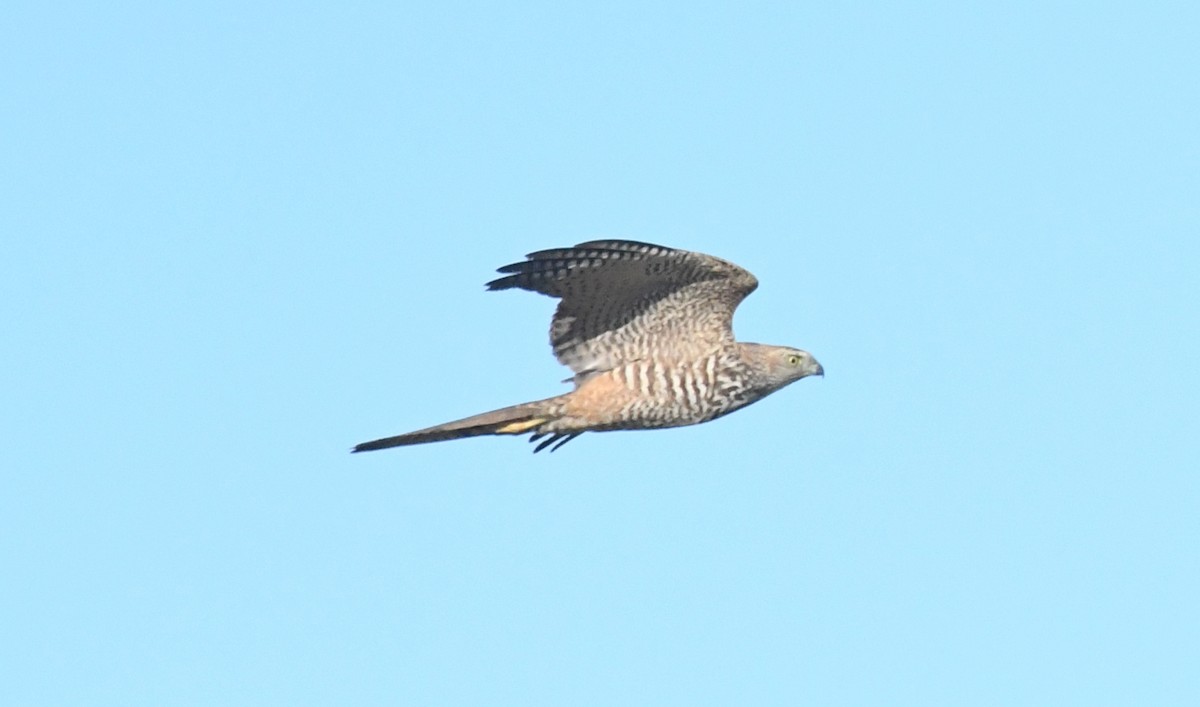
<point>514,420</point>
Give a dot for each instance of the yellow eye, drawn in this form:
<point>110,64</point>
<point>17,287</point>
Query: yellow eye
<point>793,360</point>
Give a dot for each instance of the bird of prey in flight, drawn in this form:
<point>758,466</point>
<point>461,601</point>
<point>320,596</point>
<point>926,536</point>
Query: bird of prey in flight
<point>647,332</point>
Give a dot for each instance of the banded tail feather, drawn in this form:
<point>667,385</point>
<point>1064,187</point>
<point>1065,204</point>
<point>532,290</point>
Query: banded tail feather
<point>513,420</point>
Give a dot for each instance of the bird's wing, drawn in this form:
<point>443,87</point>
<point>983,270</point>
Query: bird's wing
<point>624,301</point>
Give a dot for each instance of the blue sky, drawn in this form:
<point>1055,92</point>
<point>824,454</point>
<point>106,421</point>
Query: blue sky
<point>239,239</point>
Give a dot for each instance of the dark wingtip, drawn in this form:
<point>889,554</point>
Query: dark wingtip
<point>627,246</point>
<point>542,264</point>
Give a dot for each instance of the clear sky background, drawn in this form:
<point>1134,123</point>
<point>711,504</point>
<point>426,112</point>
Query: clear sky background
<point>239,238</point>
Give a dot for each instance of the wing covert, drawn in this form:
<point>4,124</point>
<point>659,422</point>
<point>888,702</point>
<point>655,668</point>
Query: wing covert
<point>625,300</point>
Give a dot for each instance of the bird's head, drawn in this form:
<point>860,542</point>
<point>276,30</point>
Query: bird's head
<point>778,366</point>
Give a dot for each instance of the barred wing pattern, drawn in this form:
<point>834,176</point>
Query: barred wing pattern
<point>625,301</point>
